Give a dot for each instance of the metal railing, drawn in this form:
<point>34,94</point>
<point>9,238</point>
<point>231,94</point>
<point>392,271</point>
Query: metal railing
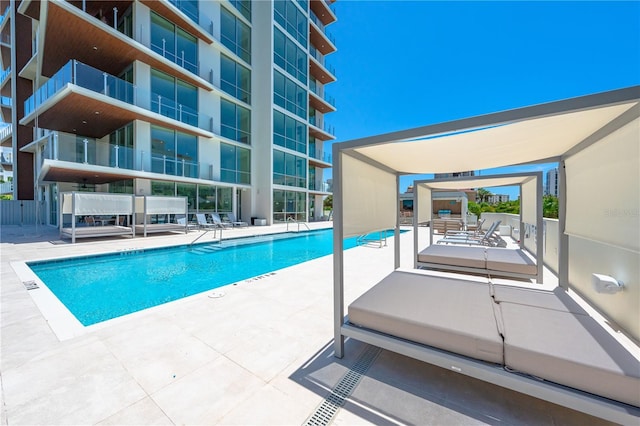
<point>292,219</point>
<point>82,75</point>
<point>4,74</point>
<point>6,131</point>
<point>320,155</point>
<point>366,239</point>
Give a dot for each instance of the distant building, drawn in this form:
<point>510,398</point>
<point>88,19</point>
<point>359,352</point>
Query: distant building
<point>450,175</point>
<point>551,184</point>
<point>497,198</point>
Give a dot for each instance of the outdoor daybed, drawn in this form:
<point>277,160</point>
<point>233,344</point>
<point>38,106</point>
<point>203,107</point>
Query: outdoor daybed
<point>147,206</point>
<point>538,333</point>
<point>491,261</point>
<point>79,204</point>
<point>534,342</point>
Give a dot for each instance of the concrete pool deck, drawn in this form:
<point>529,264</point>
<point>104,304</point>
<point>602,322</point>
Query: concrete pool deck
<point>261,354</point>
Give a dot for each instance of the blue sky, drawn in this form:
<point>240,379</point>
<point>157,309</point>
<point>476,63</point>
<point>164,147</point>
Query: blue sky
<point>403,64</point>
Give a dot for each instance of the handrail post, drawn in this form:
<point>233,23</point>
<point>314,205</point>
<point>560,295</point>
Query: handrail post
<point>164,164</point>
<point>115,18</point>
<point>117,148</point>
<point>86,144</point>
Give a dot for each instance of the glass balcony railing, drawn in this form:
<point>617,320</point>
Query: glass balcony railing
<point>324,186</point>
<point>5,13</point>
<point>5,101</point>
<point>319,57</point>
<point>322,28</point>
<point>169,166</point>
<point>189,8</point>
<point>79,149</point>
<point>79,74</point>
<point>318,154</point>
<point>6,131</point>
<point>175,58</point>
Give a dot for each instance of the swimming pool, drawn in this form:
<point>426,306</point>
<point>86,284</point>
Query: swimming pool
<point>99,288</point>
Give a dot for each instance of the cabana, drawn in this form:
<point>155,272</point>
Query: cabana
<point>148,205</point>
<point>512,337</point>
<point>94,204</point>
<point>495,262</point>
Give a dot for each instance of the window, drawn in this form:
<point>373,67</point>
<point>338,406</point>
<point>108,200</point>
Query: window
<point>174,43</point>
<point>289,169</point>
<point>244,6</point>
<point>235,79</point>
<point>235,121</point>
<point>173,153</point>
<point>174,98</point>
<point>289,204</point>
<point>236,35</point>
<point>291,18</point>
<point>289,56</point>
<point>163,188</point>
<point>289,132</point>
<point>289,95</point>
<point>235,164</point>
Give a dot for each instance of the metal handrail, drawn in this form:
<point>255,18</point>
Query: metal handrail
<point>292,219</point>
<point>362,239</point>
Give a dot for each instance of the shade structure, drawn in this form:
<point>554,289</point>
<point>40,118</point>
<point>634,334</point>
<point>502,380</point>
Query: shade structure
<point>530,184</point>
<point>594,140</point>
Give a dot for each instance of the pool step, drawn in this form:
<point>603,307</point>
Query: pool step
<point>206,249</point>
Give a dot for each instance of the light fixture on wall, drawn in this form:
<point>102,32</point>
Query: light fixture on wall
<point>606,284</point>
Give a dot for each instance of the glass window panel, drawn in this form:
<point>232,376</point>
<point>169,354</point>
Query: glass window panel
<point>206,198</point>
<point>227,156</point>
<point>163,188</point>
<point>224,199</point>
<point>187,190</point>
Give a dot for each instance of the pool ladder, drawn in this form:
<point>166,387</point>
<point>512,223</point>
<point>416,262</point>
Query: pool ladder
<point>290,219</point>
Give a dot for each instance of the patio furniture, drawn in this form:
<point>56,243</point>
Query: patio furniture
<point>235,222</point>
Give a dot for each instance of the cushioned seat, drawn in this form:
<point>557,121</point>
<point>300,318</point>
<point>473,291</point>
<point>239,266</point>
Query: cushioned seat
<point>506,260</point>
<point>451,314</point>
<point>557,300</point>
<point>468,257</point>
<point>569,349</point>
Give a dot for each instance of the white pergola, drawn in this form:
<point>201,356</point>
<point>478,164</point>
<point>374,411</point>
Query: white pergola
<point>529,184</point>
<point>595,141</point>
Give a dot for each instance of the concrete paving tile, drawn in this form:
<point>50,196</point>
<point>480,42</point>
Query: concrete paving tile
<point>23,340</point>
<point>77,382</point>
<point>268,406</point>
<point>163,353</point>
<point>206,395</point>
<point>143,412</point>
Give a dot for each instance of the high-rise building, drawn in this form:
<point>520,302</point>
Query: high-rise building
<point>219,101</point>
<point>454,175</point>
<point>551,183</point>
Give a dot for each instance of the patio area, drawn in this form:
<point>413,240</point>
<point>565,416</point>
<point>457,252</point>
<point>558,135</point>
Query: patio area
<point>262,354</point>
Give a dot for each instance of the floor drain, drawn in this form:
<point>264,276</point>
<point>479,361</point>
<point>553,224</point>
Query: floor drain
<point>327,410</point>
<point>30,285</point>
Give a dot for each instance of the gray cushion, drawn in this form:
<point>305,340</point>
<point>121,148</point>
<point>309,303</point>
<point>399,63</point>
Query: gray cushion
<point>507,260</point>
<point>569,349</point>
<point>469,257</point>
<point>451,314</point>
<point>557,299</point>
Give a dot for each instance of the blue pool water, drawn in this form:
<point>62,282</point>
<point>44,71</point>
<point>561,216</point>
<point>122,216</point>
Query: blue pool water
<point>98,288</point>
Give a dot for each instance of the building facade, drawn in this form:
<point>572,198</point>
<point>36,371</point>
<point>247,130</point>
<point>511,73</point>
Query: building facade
<point>219,101</point>
<point>551,182</point>
<point>498,198</point>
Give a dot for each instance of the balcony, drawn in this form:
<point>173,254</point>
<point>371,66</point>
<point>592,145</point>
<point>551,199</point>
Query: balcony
<point>5,82</point>
<point>74,34</point>
<point>5,135</point>
<point>72,158</point>
<point>320,130</point>
<point>319,158</point>
<point>321,71</point>
<point>82,99</point>
<point>321,12</point>
<point>6,105</point>
<point>5,48</point>
<point>30,8</point>
<point>323,104</point>
<point>184,15</point>
<point>323,187</point>
<point>320,39</point>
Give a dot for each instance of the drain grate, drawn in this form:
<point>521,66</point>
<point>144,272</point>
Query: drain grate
<point>30,285</point>
<point>327,410</point>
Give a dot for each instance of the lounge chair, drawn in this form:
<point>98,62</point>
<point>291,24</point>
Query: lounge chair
<point>488,239</point>
<point>215,218</point>
<point>203,224</point>
<point>235,222</point>
<point>478,232</point>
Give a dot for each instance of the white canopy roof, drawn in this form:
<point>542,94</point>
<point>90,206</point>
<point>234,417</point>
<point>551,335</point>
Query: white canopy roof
<point>533,134</point>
